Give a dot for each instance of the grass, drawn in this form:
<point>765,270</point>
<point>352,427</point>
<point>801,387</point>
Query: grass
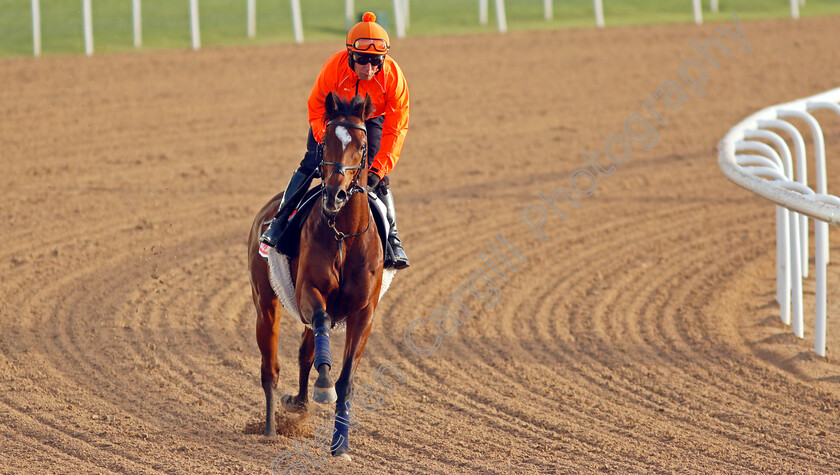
<point>166,22</point>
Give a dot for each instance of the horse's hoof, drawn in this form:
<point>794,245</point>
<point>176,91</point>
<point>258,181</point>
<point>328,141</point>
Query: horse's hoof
<point>341,454</point>
<point>289,405</point>
<point>324,395</point>
<point>270,432</point>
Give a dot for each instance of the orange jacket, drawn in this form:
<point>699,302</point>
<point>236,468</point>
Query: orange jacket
<point>388,92</point>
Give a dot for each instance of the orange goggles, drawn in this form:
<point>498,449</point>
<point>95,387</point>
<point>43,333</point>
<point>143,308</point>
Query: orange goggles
<point>365,44</point>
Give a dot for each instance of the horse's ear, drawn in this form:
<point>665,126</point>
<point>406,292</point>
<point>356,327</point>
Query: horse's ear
<point>367,110</point>
<point>330,104</point>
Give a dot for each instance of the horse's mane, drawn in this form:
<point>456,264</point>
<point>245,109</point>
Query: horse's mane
<point>353,108</point>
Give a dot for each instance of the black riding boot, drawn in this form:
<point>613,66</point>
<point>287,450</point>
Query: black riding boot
<point>400,260</point>
<point>275,228</point>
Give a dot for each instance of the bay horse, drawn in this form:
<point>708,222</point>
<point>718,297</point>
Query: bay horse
<point>337,274</point>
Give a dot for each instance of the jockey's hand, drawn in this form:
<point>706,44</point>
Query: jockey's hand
<point>373,180</point>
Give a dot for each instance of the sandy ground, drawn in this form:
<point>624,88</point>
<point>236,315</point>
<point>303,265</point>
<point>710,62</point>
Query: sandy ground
<point>640,336</point>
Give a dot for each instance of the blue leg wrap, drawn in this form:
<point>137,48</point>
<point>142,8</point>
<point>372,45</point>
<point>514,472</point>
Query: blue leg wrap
<point>341,434</point>
<point>322,347</point>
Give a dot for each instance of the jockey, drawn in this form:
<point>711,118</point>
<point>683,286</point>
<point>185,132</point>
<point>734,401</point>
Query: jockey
<point>363,68</point>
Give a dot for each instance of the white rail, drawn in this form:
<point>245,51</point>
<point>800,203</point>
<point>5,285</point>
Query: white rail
<point>195,28</point>
<point>501,16</point>
<point>297,21</point>
<point>36,27</point>
<point>599,13</point>
<point>87,21</point>
<point>401,18</point>
<point>349,12</point>
<point>251,21</point>
<point>137,20</point>
<point>771,172</point>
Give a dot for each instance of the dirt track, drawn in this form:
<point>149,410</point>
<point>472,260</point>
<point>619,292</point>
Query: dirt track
<point>640,336</point>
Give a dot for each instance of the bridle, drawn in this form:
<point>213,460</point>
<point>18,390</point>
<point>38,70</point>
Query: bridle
<point>341,168</point>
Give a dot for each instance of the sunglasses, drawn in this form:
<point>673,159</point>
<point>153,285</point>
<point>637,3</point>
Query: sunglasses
<point>372,59</point>
<point>365,44</point>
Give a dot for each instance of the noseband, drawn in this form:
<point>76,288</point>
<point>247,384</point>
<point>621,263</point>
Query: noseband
<point>354,187</point>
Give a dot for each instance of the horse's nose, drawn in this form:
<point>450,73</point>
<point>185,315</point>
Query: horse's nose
<point>334,200</point>
<point>341,196</point>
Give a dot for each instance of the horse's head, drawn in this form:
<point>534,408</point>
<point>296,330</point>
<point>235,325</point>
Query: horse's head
<point>345,150</point>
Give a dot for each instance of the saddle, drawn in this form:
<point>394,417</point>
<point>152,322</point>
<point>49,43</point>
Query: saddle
<point>289,242</point>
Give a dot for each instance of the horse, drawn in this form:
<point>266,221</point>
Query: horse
<point>337,274</point>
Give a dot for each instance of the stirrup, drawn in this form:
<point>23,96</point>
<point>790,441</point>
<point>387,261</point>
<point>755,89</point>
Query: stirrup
<point>272,234</point>
<point>295,190</point>
<point>396,256</point>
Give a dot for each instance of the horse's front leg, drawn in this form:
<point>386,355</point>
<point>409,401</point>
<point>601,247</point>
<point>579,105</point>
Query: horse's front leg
<point>324,390</point>
<point>358,331</point>
<point>306,354</point>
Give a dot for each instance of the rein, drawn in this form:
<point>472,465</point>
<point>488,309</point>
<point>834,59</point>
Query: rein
<point>354,187</point>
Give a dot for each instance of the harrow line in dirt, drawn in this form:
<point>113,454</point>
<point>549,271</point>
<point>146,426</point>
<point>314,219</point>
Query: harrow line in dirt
<point>653,286</point>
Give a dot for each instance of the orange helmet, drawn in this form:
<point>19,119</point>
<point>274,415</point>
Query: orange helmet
<point>368,36</point>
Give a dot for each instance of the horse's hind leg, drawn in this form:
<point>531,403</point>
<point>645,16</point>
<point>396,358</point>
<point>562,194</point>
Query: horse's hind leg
<point>268,323</point>
<point>305,356</point>
<point>324,391</point>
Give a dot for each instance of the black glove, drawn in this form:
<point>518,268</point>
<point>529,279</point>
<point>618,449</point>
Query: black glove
<point>373,180</point>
